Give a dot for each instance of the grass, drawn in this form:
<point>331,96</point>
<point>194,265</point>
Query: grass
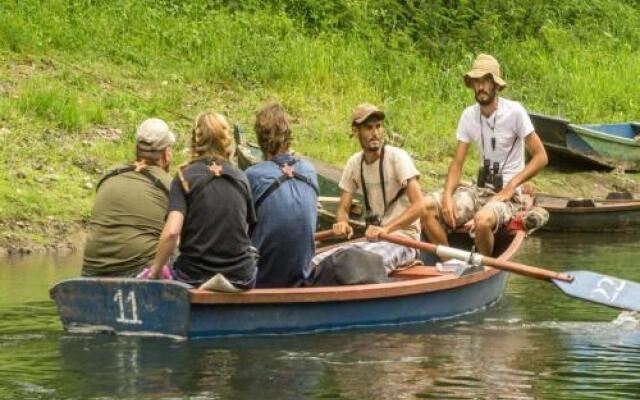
<point>74,67</point>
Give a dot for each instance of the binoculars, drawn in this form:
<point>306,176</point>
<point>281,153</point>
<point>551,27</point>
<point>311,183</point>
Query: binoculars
<point>489,176</point>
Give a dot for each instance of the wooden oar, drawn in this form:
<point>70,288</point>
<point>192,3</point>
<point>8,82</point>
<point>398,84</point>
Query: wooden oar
<point>585,285</point>
<point>323,235</point>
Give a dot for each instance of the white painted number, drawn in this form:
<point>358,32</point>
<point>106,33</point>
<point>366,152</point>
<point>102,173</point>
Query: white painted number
<point>122,303</point>
<point>608,288</point>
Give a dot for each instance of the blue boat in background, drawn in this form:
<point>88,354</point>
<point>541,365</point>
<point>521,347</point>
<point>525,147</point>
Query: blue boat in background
<point>169,308</point>
<point>607,145</point>
<point>617,145</point>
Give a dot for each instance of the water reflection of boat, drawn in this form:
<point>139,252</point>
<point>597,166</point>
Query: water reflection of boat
<point>608,145</point>
<point>416,294</point>
<point>590,215</point>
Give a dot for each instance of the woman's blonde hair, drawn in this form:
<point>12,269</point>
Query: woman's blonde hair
<point>211,137</point>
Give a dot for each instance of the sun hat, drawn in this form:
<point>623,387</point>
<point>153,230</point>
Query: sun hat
<point>483,65</point>
<point>153,134</point>
<point>363,112</point>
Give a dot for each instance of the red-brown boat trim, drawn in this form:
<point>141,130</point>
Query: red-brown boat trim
<point>408,284</point>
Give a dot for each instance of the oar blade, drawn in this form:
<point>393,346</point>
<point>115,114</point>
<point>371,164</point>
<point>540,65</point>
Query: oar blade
<point>602,289</point>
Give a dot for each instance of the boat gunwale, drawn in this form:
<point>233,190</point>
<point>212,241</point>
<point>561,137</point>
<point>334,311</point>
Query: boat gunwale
<point>601,206</point>
<point>400,288</point>
<point>587,129</point>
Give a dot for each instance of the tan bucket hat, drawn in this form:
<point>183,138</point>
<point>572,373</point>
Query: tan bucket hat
<point>363,111</point>
<point>483,65</point>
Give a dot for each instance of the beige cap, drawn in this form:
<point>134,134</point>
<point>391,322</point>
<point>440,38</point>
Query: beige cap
<point>154,134</point>
<point>363,111</point>
<point>483,65</point>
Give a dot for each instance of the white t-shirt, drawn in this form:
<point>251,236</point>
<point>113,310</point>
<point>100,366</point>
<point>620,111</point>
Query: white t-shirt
<point>509,122</point>
<point>398,168</point>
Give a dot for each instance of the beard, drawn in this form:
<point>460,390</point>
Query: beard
<point>490,96</point>
<point>373,147</point>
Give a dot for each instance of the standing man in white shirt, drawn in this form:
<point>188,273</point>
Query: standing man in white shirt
<point>501,130</point>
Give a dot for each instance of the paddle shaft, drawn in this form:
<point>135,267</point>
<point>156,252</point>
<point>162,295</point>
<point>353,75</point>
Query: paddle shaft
<point>479,259</point>
<point>323,235</point>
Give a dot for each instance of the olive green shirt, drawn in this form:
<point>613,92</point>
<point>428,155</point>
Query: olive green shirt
<point>126,221</point>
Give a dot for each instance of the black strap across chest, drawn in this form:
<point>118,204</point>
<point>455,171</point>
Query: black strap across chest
<point>283,178</point>
<point>130,168</point>
<point>201,183</point>
<point>382,187</point>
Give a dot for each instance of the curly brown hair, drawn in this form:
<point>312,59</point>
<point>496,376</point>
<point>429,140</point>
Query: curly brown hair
<point>272,129</point>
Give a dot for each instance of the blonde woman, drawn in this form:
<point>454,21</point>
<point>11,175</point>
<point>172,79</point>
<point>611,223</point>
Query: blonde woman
<point>210,211</point>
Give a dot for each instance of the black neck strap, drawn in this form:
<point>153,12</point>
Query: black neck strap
<point>493,138</point>
<point>364,185</point>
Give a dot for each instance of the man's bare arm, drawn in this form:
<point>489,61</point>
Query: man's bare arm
<point>342,227</point>
<point>168,241</point>
<point>409,216</point>
<point>538,161</point>
<point>453,180</point>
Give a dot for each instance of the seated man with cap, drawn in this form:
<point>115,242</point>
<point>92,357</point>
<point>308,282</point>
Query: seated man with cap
<point>389,183</point>
<point>130,207</point>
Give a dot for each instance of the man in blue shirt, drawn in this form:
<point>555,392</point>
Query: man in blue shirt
<point>285,190</point>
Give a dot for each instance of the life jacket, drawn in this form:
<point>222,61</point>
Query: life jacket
<point>287,173</point>
<point>141,169</point>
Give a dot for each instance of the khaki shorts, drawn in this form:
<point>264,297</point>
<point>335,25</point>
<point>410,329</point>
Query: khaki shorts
<point>471,199</point>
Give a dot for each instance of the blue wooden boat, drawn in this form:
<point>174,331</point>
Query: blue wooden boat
<point>617,145</point>
<point>602,145</point>
<point>142,307</point>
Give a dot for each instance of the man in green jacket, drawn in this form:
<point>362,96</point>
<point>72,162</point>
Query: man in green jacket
<point>130,207</point>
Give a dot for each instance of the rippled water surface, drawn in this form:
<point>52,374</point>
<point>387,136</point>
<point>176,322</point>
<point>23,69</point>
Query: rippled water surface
<point>535,344</point>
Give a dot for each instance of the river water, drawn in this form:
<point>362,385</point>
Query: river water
<point>535,343</point>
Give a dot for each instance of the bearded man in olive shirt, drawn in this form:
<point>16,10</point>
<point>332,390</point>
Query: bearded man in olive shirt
<point>130,207</point>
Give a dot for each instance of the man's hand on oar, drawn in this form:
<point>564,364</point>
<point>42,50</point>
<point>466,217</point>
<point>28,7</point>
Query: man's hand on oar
<point>591,286</point>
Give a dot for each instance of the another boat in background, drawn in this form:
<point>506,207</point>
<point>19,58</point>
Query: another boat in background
<point>619,212</point>
<point>617,145</point>
<point>603,145</point>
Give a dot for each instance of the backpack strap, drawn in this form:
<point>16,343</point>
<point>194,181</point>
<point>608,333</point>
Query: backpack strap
<point>287,173</point>
<point>130,168</point>
<point>216,172</point>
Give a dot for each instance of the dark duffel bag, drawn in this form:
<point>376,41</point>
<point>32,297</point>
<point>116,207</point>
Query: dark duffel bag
<point>350,266</point>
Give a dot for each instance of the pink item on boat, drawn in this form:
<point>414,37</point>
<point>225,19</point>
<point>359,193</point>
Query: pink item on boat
<point>166,273</point>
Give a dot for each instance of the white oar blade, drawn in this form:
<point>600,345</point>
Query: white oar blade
<point>602,289</point>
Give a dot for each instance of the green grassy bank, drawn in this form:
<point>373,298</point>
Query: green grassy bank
<point>76,76</point>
